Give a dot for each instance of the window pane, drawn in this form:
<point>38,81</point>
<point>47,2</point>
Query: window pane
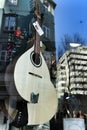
<point>9,23</point>
<point>6,23</point>
<point>12,2</point>
<point>12,23</point>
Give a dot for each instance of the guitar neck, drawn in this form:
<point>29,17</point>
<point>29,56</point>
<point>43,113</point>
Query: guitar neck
<point>37,44</point>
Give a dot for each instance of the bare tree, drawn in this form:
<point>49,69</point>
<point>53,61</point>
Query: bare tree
<point>67,39</point>
<point>77,39</point>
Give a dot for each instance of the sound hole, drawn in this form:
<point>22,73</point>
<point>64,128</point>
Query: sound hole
<point>36,59</point>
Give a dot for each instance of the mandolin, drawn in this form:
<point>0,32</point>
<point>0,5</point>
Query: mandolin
<point>32,81</point>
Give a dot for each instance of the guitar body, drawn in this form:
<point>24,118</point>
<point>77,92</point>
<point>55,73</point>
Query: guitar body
<point>33,83</point>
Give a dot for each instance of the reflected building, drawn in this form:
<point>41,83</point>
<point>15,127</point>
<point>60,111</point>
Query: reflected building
<point>72,75</point>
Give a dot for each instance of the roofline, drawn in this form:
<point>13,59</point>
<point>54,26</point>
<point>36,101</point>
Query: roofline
<point>53,3</point>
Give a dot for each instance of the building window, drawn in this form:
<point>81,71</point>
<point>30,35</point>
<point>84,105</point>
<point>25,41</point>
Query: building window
<point>12,2</point>
<point>9,23</point>
<point>3,56</point>
<point>51,10</point>
<point>46,31</point>
<point>45,2</point>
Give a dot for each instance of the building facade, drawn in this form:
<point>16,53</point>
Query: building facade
<point>71,83</point>
<point>71,73</point>
<point>20,13</point>
<point>15,13</point>
<point>72,77</point>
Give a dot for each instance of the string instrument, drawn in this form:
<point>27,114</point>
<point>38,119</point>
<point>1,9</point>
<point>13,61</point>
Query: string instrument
<point>32,81</point>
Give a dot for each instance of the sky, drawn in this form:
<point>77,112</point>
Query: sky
<point>70,18</point>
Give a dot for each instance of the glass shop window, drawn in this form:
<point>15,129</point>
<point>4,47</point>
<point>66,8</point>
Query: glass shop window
<point>9,23</point>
